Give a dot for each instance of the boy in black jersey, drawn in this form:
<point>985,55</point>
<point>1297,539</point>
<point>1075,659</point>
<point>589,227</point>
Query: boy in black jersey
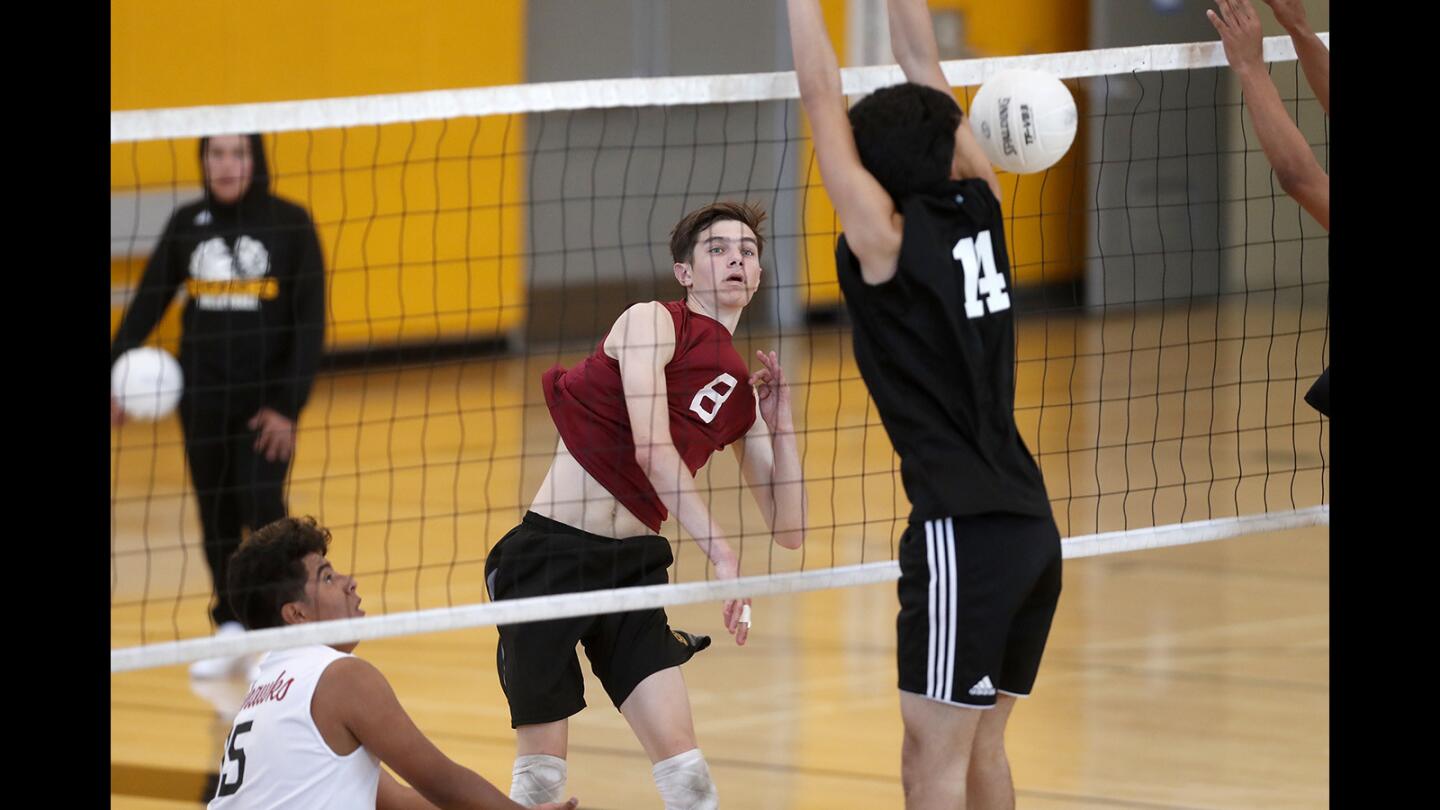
<point>925,274</point>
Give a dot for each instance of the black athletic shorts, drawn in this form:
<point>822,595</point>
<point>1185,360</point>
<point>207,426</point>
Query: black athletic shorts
<point>539,668</point>
<point>977,594</point>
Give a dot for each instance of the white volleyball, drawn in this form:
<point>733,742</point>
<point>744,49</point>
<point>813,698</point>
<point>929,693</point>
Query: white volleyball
<point>146,383</point>
<point>1025,120</point>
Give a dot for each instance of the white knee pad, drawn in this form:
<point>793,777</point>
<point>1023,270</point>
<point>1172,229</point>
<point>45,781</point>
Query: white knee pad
<point>537,779</point>
<point>684,782</point>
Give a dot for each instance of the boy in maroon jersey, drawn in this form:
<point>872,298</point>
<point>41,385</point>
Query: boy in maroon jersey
<point>637,418</point>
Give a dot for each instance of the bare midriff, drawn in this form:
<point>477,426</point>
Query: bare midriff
<point>572,496</point>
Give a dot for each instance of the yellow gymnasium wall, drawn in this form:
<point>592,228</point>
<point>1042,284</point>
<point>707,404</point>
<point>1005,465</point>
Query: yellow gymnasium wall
<point>1044,250</point>
<point>422,239</point>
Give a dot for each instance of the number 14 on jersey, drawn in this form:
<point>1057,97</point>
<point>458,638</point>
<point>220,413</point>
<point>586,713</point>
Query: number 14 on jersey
<point>977,259</point>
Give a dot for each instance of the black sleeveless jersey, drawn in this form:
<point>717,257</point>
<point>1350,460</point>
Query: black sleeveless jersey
<point>936,347</point>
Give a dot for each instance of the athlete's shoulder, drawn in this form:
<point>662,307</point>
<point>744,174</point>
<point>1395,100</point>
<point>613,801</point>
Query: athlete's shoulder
<point>350,677</point>
<point>647,324</point>
<point>346,666</point>
<point>647,314</point>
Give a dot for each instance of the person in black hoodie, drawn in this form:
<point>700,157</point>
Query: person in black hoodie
<point>252,334</point>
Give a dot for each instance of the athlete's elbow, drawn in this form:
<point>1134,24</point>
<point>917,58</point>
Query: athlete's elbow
<point>790,533</point>
<point>817,80</point>
<point>653,458</point>
<point>792,539</point>
<point>645,457</point>
<point>1299,177</point>
<point>914,60</point>
<point>1291,181</point>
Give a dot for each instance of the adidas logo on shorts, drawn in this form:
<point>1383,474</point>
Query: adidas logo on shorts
<point>984,688</point>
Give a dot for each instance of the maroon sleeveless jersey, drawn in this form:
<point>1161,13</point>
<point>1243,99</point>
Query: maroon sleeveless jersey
<point>710,399</point>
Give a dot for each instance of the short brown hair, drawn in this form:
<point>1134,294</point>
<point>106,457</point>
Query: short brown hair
<point>268,570</point>
<point>687,230</point>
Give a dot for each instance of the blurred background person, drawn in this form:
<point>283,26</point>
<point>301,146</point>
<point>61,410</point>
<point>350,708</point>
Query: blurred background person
<point>251,338</point>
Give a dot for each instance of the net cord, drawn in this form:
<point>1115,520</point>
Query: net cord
<point>285,116</point>
<point>514,611</point>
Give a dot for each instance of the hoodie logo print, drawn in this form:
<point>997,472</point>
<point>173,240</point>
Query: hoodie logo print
<point>220,280</point>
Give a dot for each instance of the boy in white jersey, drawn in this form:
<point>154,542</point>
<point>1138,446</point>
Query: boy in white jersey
<point>318,721</point>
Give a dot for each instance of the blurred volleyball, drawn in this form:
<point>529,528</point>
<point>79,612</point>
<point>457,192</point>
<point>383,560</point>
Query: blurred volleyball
<point>1024,119</point>
<point>146,383</point>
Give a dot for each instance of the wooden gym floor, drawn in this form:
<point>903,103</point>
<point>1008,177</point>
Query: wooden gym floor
<point>1189,677</point>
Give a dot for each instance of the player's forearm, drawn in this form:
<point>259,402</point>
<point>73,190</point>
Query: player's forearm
<point>459,788</point>
<point>912,39</point>
<point>787,487</point>
<point>1315,61</point>
<point>440,780</point>
<point>1286,149</point>
<point>391,795</point>
<point>816,68</point>
<point>667,473</point>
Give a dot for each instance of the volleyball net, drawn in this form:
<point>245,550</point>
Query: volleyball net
<point>1171,311</point>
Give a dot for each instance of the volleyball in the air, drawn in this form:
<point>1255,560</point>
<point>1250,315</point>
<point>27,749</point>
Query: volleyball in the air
<point>146,383</point>
<point>1024,119</point>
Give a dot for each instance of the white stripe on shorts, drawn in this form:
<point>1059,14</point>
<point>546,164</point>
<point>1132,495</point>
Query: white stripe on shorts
<point>949,546</point>
<point>933,591</point>
<point>940,557</point>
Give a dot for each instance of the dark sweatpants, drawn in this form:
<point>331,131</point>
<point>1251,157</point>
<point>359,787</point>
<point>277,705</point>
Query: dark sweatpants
<point>237,488</point>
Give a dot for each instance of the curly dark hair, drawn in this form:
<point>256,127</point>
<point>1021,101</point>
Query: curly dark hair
<point>687,230</point>
<point>906,136</point>
<point>268,569</point>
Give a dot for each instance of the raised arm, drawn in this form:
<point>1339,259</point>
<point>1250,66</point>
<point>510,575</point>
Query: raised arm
<point>867,214</point>
<point>912,40</point>
<point>770,459</point>
<point>1314,56</point>
<point>1300,175</point>
<point>643,341</point>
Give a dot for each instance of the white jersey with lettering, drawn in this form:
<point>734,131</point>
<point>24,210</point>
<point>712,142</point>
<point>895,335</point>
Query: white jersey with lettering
<point>275,756</point>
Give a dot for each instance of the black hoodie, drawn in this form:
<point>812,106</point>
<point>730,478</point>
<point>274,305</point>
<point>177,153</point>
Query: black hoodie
<point>254,325</point>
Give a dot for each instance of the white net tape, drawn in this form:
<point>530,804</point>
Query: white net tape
<point>286,116</point>
<point>514,611</point>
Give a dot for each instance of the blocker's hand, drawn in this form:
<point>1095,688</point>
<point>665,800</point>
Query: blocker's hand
<point>1239,29</point>
<point>117,414</point>
<point>276,439</point>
